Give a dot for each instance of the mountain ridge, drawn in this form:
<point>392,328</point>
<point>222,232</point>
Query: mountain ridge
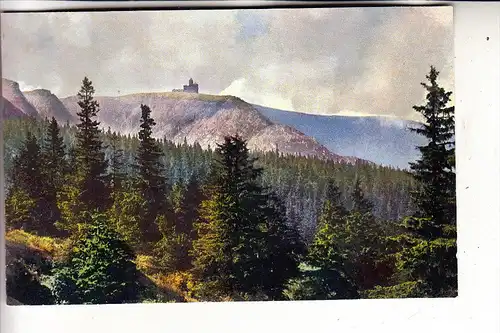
<point>201,118</point>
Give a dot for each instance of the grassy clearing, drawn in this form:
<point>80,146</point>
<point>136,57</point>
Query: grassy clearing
<point>56,248</point>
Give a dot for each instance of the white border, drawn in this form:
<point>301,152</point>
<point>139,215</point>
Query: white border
<point>477,91</point>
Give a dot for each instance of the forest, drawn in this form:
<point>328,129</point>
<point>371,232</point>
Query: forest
<point>131,219</point>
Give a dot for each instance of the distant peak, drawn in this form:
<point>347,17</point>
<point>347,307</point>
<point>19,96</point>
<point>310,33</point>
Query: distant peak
<point>9,82</point>
<point>39,92</point>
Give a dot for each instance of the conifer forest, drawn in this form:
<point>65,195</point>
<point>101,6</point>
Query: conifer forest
<point>99,217</point>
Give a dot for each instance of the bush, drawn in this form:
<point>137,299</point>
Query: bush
<point>99,270</point>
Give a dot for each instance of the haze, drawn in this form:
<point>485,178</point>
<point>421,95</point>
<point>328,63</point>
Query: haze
<point>353,61</point>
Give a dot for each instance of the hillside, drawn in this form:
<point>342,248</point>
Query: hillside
<point>48,105</point>
<point>205,119</point>
<point>12,93</point>
<point>383,140</point>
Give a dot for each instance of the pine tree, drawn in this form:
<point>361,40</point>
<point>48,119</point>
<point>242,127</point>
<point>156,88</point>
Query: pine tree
<point>430,257</point>
<point>117,173</point>
<point>435,171</point>
<point>151,182</point>
<point>360,203</point>
<point>284,249</point>
<point>26,203</point>
<point>90,157</point>
<point>426,262</point>
<point>54,155</point>
<point>231,254</point>
<point>329,277</point>
<point>99,270</point>
<point>54,169</point>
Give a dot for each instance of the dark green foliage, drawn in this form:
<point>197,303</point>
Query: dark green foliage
<point>234,251</point>
<point>54,156</point>
<point>92,166</point>
<point>28,200</point>
<point>320,284</point>
<point>283,250</point>
<point>151,183</point>
<point>427,257</point>
<point>329,276</point>
<point>359,202</point>
<point>54,171</point>
<point>117,172</point>
<point>23,281</point>
<point>99,270</point>
<point>435,171</point>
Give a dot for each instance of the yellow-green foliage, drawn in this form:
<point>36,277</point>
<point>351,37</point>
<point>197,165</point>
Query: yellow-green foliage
<point>144,263</point>
<point>179,282</point>
<point>56,248</point>
<point>411,289</point>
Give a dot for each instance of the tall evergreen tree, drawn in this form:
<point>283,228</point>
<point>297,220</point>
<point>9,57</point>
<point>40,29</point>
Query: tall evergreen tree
<point>427,263</point>
<point>435,170</point>
<point>232,250</point>
<point>90,157</point>
<point>151,182</point>
<point>54,169</point>
<point>330,276</point>
<point>360,203</point>
<point>26,202</point>
<point>54,155</point>
<point>116,163</point>
<point>430,258</point>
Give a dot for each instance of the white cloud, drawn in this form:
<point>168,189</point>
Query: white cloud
<point>321,61</point>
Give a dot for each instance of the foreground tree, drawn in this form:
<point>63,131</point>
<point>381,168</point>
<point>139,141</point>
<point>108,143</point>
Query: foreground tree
<point>151,183</point>
<point>26,203</point>
<point>99,270</point>
<point>91,163</point>
<point>427,262</point>
<point>326,276</point>
<point>54,169</point>
<point>235,235</point>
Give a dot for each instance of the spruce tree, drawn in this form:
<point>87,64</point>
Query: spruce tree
<point>237,228</point>
<point>99,270</point>
<point>426,261</point>
<point>54,168</point>
<point>151,182</point>
<point>117,173</point>
<point>430,257</point>
<point>26,202</point>
<point>91,163</point>
<point>54,155</point>
<point>329,274</point>
<point>435,170</point>
<point>360,203</point>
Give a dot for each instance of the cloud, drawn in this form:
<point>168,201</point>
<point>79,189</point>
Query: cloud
<point>369,60</point>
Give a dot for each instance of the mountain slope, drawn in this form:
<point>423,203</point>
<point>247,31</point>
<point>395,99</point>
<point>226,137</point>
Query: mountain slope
<point>205,119</point>
<point>9,110</point>
<point>12,93</point>
<point>381,140</point>
<point>48,105</point>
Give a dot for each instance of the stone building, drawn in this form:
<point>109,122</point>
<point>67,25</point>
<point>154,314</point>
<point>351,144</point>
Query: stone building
<point>192,87</point>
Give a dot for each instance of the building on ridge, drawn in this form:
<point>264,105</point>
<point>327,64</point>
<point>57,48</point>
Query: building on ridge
<point>192,87</point>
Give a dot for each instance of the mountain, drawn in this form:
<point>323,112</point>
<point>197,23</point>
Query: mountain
<point>12,93</point>
<point>48,105</point>
<point>10,111</point>
<point>382,140</point>
<point>205,119</point>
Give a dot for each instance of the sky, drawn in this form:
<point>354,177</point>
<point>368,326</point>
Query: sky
<point>350,61</point>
